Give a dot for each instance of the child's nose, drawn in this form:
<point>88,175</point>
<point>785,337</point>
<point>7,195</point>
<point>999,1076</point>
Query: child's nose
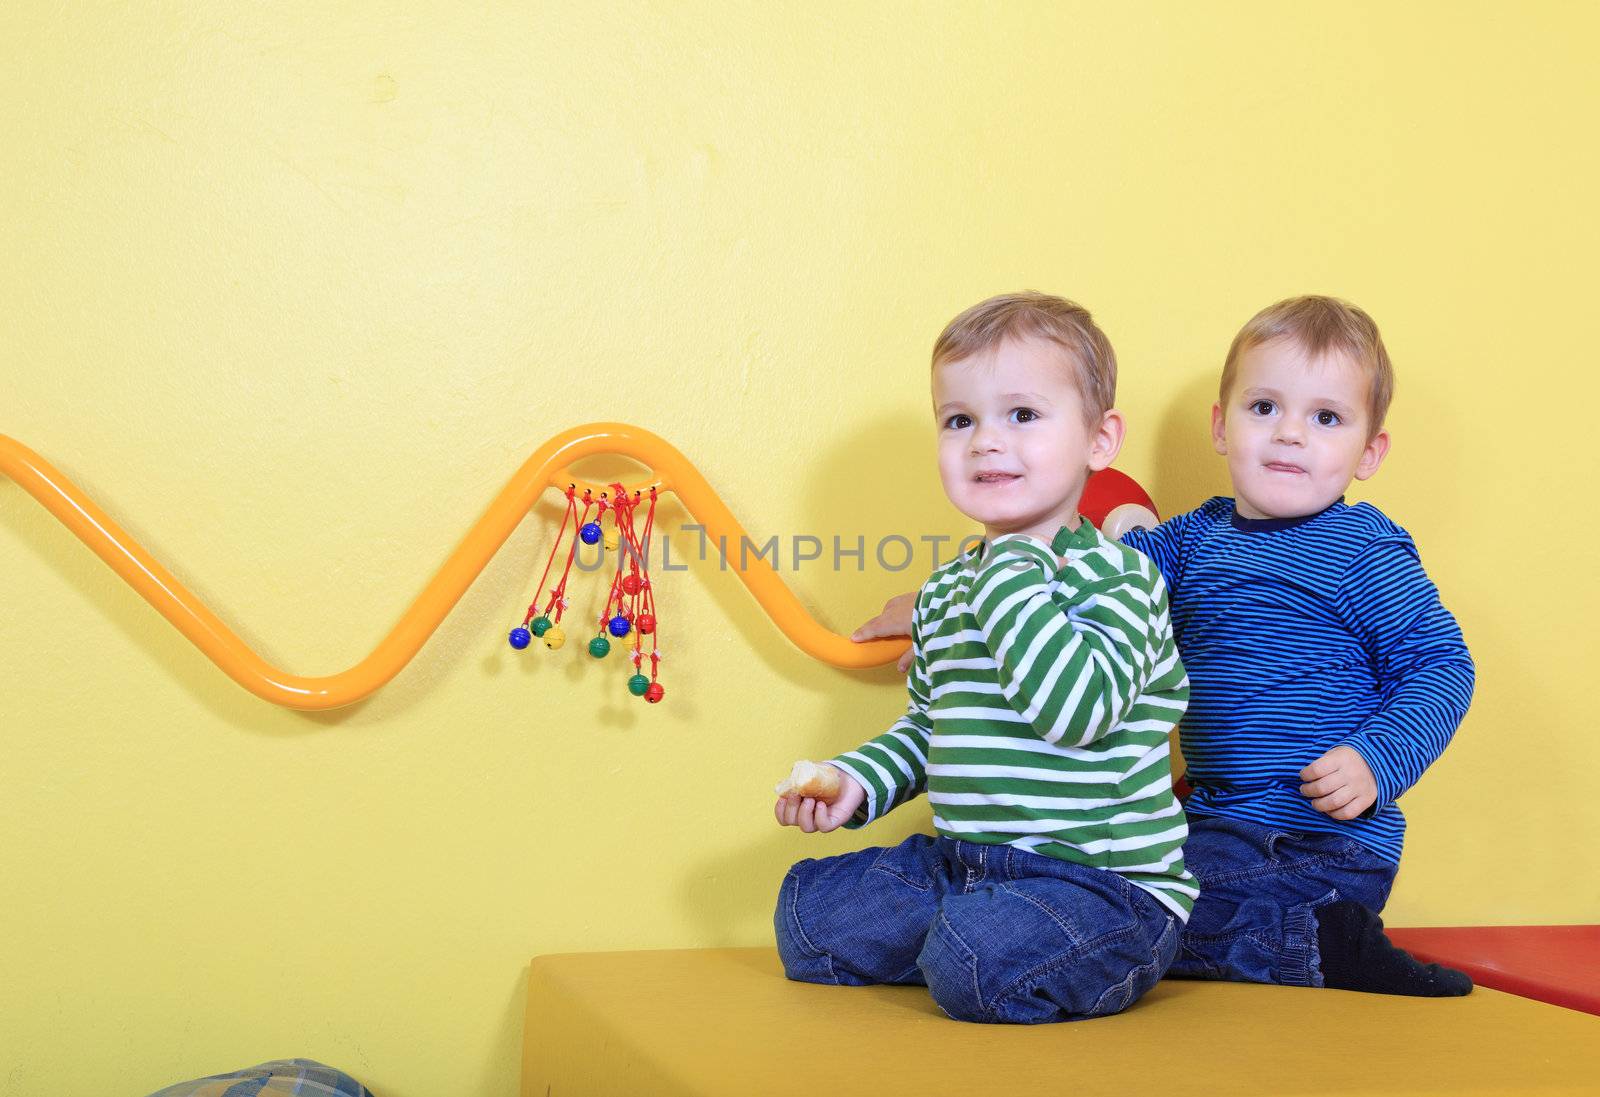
<point>985,440</point>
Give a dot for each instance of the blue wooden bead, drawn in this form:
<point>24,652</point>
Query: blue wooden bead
<point>520,638</point>
<point>590,532</point>
<point>619,626</point>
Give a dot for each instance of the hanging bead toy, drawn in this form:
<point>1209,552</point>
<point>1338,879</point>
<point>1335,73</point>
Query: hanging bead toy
<point>629,615</point>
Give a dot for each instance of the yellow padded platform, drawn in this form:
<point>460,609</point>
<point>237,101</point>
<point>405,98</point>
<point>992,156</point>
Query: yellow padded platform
<point>725,1021</point>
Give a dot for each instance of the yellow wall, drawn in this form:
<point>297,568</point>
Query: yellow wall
<point>292,295</point>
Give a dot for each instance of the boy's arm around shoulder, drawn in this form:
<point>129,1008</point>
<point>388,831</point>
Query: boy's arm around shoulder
<point>893,767</point>
<point>1161,543</point>
<point>1425,673</point>
<point>1073,661</point>
<point>1167,543</point>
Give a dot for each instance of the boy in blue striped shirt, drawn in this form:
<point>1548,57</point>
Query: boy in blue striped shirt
<point>1325,674</point>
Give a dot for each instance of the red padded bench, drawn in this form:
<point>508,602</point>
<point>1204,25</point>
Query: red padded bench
<point>1555,964</point>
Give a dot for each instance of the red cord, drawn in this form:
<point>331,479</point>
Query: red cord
<point>572,510</point>
<point>558,594</point>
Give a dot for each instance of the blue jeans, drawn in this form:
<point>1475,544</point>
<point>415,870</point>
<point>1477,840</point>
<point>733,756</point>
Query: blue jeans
<point>1255,920</point>
<point>996,934</point>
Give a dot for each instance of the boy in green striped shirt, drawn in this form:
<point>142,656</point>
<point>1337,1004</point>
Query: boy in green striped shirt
<point>1043,689</point>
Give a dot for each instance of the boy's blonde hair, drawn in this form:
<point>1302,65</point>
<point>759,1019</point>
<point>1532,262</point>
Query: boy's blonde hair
<point>1319,325</point>
<point>987,324</point>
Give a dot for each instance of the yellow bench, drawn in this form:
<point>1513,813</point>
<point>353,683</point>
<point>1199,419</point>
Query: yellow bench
<point>725,1021</point>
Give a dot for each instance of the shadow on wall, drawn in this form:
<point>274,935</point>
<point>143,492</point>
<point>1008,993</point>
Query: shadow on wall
<point>873,483</point>
<point>1186,469</point>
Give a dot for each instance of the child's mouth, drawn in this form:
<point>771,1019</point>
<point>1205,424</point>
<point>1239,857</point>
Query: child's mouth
<point>996,478</point>
<point>1281,466</point>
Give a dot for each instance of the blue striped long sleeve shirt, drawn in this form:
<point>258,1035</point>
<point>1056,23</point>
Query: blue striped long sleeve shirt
<point>1300,635</point>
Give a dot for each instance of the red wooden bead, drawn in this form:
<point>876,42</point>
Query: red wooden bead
<point>630,584</point>
<point>645,623</point>
<point>654,693</point>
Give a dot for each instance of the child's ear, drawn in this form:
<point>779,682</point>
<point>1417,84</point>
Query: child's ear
<point>1373,455</point>
<point>1219,431</point>
<point>1106,441</point>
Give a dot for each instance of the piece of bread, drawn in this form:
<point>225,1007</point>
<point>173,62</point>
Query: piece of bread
<point>817,780</point>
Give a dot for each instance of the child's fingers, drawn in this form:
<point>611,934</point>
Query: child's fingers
<point>807,815</point>
<point>1334,801</point>
<point>1354,808</point>
<point>1320,768</point>
<point>1323,785</point>
<point>904,665</point>
<point>879,628</point>
<point>791,811</point>
<point>875,629</point>
<point>784,810</point>
<point>895,620</point>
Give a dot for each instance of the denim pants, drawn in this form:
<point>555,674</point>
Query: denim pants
<point>996,934</point>
<point>1260,886</point>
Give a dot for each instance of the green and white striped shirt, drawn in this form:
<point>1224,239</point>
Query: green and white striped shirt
<point>1044,688</point>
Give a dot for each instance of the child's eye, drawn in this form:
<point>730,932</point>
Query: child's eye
<point>1326,418</point>
<point>1024,415</point>
<point>958,422</point>
<point>1262,407</point>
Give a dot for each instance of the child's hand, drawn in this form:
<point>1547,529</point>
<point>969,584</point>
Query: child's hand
<point>819,816</point>
<point>894,620</point>
<point>1339,784</point>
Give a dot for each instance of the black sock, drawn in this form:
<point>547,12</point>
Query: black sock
<point>1356,955</point>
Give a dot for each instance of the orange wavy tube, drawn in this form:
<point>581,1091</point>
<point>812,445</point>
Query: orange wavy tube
<point>546,468</point>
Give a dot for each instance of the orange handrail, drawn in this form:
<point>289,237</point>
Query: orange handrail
<point>546,468</point>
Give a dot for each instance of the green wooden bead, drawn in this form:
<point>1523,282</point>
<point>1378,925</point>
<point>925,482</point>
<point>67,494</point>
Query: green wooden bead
<point>599,647</point>
<point>638,684</point>
<point>541,625</point>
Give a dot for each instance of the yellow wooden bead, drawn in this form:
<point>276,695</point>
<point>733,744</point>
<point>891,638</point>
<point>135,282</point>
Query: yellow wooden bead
<point>611,540</point>
<point>554,637</point>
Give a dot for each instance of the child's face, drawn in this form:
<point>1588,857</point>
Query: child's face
<point>1014,450</point>
<point>1295,430</point>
